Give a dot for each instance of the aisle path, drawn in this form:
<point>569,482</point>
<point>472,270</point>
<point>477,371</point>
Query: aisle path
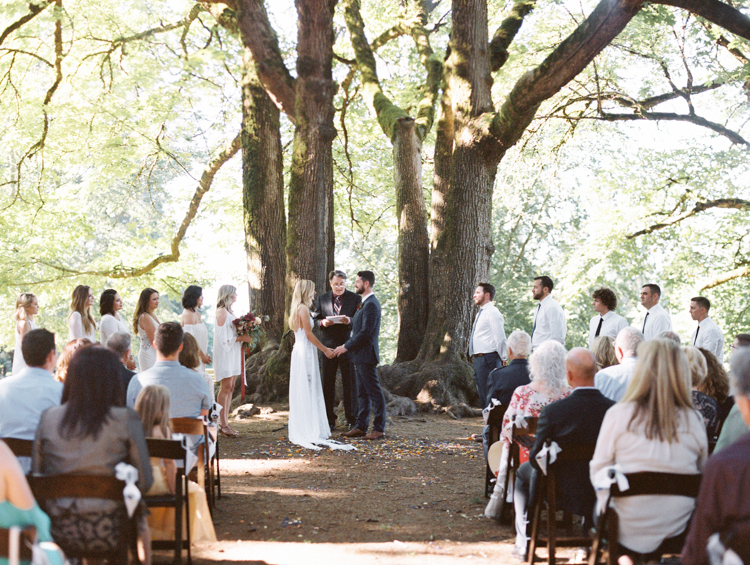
<point>414,498</point>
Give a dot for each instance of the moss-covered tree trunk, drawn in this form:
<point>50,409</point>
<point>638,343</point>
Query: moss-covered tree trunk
<point>413,242</point>
<point>263,200</point>
<point>311,180</point>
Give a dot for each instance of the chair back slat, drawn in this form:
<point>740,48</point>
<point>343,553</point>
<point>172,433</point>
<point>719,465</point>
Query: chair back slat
<point>576,452</point>
<point>76,486</point>
<point>653,483</point>
<point>19,447</point>
<point>28,534</point>
<point>193,426</point>
<point>529,430</point>
<point>166,449</point>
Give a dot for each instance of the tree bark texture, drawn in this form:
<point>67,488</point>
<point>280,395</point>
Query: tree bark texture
<point>413,242</point>
<point>311,180</point>
<point>263,200</point>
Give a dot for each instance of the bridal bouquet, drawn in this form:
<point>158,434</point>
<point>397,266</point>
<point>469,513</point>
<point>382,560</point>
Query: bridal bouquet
<point>249,324</point>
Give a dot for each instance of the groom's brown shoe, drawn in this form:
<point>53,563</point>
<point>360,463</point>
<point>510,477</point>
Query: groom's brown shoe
<point>354,432</point>
<point>374,435</point>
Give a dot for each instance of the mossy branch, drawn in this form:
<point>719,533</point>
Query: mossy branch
<point>507,32</point>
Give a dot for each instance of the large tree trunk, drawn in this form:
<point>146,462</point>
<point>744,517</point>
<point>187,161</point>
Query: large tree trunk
<point>311,181</point>
<point>413,243</point>
<point>263,200</point>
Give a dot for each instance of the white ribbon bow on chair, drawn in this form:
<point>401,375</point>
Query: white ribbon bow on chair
<point>486,411</point>
<point>520,421</point>
<point>131,494</point>
<point>605,478</point>
<point>541,457</point>
<point>190,458</point>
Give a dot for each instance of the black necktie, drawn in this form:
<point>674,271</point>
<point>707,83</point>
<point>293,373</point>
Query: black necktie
<point>644,323</point>
<point>696,335</point>
<point>599,327</point>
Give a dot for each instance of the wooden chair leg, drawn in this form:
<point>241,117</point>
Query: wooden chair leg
<point>551,522</point>
<point>536,518</point>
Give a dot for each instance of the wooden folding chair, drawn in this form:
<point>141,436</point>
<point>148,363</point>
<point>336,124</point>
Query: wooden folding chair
<point>28,534</point>
<point>19,447</point>
<point>205,475</point>
<point>514,460</point>
<point>547,486</point>
<point>648,483</point>
<point>104,487</point>
<point>172,449</point>
<point>495,422</point>
<point>213,431</point>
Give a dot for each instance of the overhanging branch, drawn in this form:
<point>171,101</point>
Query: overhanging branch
<point>34,11</point>
<point>726,277</point>
<point>716,12</point>
<point>725,203</point>
<point>507,31</point>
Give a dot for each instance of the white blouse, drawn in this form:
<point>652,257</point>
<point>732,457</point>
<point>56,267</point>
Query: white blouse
<point>76,331</point>
<point>110,325</point>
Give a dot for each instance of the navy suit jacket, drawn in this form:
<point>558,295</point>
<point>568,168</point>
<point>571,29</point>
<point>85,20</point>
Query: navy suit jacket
<point>337,334</point>
<point>574,419</point>
<point>503,381</point>
<point>363,344</point>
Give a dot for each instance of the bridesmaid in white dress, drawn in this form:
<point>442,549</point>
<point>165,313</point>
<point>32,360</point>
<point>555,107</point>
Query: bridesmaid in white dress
<point>27,306</point>
<point>192,323</point>
<point>145,323</point>
<point>227,354</point>
<point>308,422</point>
<point>110,304</point>
<point>81,323</point>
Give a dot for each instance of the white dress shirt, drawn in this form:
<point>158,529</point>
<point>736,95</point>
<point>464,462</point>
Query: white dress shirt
<point>611,325</point>
<point>656,321</point>
<point>488,334</point>
<point>549,323</point>
<point>614,381</point>
<point>709,337</point>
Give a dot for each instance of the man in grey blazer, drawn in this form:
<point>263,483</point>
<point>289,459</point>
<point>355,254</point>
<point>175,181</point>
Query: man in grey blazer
<point>365,354</point>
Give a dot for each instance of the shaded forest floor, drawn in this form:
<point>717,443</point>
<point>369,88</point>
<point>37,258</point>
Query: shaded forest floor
<point>415,497</point>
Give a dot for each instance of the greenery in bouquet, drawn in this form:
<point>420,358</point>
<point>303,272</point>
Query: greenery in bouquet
<point>250,325</point>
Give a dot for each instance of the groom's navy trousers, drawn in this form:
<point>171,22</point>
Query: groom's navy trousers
<point>365,354</point>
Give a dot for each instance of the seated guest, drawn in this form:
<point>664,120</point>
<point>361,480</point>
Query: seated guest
<point>613,381</point>
<point>89,435</point>
<point>604,352</point>
<point>23,397</point>
<point>606,322</point>
<point>153,408</point>
<point>63,360</point>
<point>17,504</point>
<point>503,381</point>
<point>716,384</point>
<point>653,428</point>
<point>189,395</point>
<point>190,357</point>
<point>670,335</point>
<point>724,498</point>
<point>734,426</point>
<point>547,370</point>
<point>574,419</point>
<point>119,343</point>
<point>706,405</point>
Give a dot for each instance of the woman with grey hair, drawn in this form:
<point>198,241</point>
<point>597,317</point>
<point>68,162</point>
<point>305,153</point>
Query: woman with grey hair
<point>548,383</point>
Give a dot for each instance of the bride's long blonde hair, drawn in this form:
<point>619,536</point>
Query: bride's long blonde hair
<point>303,294</point>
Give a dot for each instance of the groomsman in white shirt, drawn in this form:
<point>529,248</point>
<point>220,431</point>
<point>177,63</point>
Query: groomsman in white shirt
<point>707,335</point>
<point>488,347</point>
<point>606,322</point>
<point>657,319</point>
<point>549,318</point>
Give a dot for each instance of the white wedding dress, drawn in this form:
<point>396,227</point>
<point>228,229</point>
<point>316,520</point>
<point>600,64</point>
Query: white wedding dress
<point>308,423</point>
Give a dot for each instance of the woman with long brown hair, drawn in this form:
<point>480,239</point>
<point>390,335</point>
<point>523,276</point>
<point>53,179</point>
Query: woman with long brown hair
<point>81,323</point>
<point>145,323</point>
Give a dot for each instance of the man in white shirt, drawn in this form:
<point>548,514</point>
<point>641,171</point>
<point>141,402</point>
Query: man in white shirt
<point>613,381</point>
<point>488,347</point>
<point>657,319</point>
<point>549,318</point>
<point>606,322</point>
<point>707,335</point>
<point>23,397</point>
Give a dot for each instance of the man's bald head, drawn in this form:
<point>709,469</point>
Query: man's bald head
<point>580,367</point>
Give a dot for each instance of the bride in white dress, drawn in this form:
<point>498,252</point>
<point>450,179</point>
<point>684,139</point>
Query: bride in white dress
<point>27,306</point>
<point>308,422</point>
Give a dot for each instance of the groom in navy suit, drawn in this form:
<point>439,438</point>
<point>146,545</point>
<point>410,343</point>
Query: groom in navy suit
<point>365,354</point>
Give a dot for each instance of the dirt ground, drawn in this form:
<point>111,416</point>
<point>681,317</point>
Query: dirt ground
<point>415,497</point>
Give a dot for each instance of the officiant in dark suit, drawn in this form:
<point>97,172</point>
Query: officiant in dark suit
<point>337,302</point>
